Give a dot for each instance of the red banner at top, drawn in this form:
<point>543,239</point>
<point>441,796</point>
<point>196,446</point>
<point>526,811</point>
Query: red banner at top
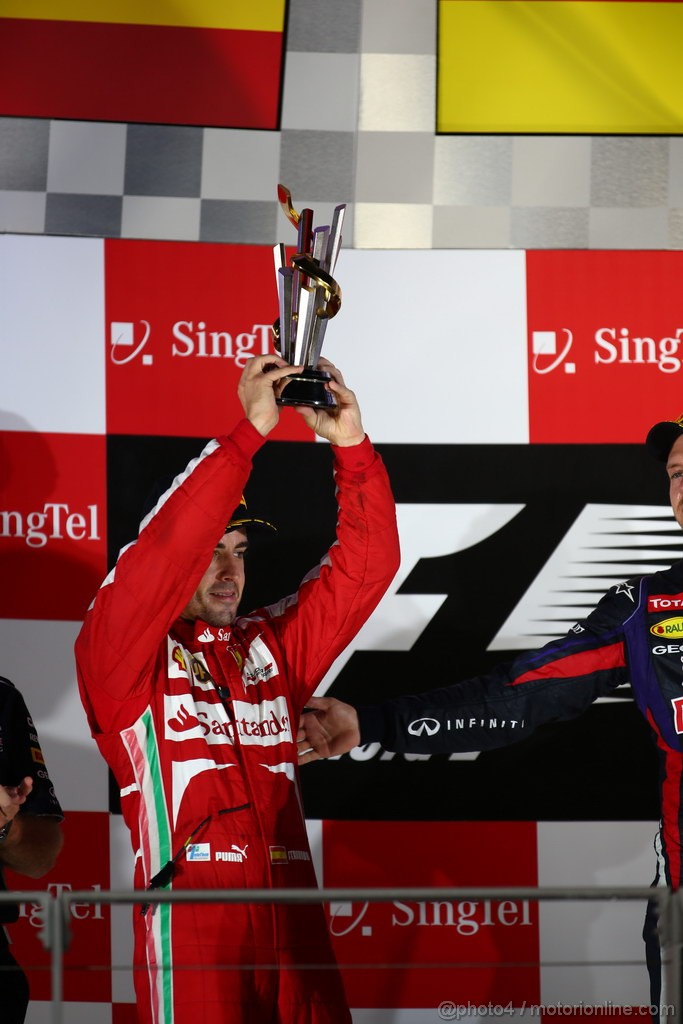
<point>163,74</point>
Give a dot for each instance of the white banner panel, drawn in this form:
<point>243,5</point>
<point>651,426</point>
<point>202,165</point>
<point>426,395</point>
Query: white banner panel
<point>51,334</point>
<point>434,344</point>
<point>38,658</point>
<point>593,951</point>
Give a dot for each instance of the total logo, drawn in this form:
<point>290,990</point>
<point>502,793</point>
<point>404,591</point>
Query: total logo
<point>664,602</point>
<point>549,350</point>
<point>466,917</point>
<point>128,342</point>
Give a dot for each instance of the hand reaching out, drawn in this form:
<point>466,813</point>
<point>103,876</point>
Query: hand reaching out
<point>12,797</point>
<point>329,729</point>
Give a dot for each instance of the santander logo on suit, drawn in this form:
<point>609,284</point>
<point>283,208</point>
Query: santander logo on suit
<point>264,724</point>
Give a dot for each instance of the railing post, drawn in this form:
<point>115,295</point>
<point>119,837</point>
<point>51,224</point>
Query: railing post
<point>56,914</point>
<point>669,933</point>
<point>674,988</point>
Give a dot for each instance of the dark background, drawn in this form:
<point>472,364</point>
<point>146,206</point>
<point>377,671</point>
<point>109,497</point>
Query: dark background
<point>601,766</point>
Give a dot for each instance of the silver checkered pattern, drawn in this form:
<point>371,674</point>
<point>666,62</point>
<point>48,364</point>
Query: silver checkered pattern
<point>357,127</point>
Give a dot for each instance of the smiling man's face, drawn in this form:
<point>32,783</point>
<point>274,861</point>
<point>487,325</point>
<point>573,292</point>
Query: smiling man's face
<point>674,470</point>
<point>220,589</point>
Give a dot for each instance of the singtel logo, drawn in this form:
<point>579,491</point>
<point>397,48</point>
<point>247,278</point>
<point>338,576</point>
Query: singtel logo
<point>55,522</point>
<point>188,338</point>
<point>34,912</point>
<point>466,918</point>
<point>611,345</point>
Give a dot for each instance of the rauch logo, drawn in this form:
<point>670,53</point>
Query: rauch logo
<point>668,627</point>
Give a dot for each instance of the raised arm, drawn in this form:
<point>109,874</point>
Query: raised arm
<point>318,622</point>
<point>155,576</point>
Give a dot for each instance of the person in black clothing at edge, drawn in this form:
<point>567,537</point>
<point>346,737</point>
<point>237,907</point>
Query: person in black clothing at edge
<point>630,636</point>
<point>30,830</point>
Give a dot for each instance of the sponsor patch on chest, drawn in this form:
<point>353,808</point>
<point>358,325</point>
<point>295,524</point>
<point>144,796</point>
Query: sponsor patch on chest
<point>186,719</point>
<point>263,724</point>
<point>672,627</point>
<point>665,602</point>
<point>192,667</point>
<point>260,665</point>
<point>677,704</point>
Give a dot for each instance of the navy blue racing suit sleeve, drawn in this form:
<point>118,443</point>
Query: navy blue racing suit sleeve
<point>21,753</point>
<point>557,681</point>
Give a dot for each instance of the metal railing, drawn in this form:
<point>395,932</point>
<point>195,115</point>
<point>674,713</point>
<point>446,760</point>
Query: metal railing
<point>55,910</point>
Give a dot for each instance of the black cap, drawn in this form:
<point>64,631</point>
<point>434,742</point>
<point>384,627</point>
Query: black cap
<point>243,517</point>
<point>240,518</point>
<point>662,436</point>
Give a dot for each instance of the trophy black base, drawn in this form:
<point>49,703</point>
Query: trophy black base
<point>308,388</point>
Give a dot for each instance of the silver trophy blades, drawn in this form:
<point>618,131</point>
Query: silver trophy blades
<point>309,296</point>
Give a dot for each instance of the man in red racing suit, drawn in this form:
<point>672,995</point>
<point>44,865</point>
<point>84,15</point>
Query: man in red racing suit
<point>633,635</point>
<point>195,711</point>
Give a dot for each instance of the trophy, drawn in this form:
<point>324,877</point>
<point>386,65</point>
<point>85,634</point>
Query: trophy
<point>309,297</point>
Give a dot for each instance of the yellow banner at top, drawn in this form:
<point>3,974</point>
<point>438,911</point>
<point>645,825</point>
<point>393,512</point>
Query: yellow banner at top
<point>262,16</point>
<point>560,66</point>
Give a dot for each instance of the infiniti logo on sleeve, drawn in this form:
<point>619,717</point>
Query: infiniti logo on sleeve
<point>424,725</point>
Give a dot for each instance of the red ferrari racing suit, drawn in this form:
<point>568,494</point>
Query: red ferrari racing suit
<point>635,634</point>
<point>198,725</point>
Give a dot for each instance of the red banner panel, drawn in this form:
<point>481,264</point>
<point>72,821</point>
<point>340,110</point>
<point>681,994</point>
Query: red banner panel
<point>182,321</point>
<point>124,1013</point>
<point>163,74</point>
<point>52,524</point>
<point>605,333</point>
<point>82,866</point>
<point>406,953</point>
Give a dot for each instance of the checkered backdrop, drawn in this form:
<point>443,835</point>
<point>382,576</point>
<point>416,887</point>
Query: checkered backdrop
<point>508,392</point>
